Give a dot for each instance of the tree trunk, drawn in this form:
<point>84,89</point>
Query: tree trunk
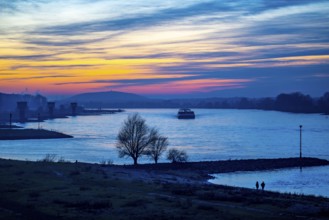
<point>135,160</point>
<point>156,160</point>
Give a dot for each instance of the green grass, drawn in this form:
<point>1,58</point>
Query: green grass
<point>41,190</point>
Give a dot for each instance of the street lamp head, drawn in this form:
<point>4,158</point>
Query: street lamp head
<point>300,126</point>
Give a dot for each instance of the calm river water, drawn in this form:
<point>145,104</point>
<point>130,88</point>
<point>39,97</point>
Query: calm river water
<point>215,134</point>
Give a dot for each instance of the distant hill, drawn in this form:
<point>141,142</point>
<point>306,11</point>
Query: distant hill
<point>107,99</point>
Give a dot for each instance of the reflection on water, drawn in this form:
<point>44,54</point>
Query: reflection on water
<point>309,181</point>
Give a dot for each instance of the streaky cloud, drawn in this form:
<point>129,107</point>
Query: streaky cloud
<point>39,77</point>
<point>136,22</point>
<point>31,57</point>
<point>16,67</point>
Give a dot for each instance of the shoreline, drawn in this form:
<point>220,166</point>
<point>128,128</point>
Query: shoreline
<point>23,134</point>
<point>197,172</point>
<point>202,170</point>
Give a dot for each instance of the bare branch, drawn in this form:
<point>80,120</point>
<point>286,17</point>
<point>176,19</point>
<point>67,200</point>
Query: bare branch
<point>157,147</point>
<point>176,155</point>
<point>134,137</point>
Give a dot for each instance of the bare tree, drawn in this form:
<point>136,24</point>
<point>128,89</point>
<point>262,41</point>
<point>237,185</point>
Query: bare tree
<point>156,148</point>
<point>134,137</point>
<point>176,155</point>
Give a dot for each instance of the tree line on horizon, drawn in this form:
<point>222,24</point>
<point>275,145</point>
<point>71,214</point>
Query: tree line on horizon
<point>294,102</point>
<point>286,102</point>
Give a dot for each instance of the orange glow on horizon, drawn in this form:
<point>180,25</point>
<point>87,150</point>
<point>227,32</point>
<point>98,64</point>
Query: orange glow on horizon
<point>187,86</point>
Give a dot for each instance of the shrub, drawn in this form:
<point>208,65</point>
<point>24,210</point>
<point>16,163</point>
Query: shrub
<point>49,158</point>
<point>176,155</point>
<point>106,162</point>
<point>61,160</point>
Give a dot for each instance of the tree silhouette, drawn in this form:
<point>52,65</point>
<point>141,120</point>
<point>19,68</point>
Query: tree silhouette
<point>176,155</point>
<point>294,102</point>
<point>156,148</point>
<point>323,103</point>
<point>134,137</point>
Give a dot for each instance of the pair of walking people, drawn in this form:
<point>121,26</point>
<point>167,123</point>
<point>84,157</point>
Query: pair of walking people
<point>262,185</point>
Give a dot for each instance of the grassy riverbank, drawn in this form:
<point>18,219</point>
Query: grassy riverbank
<point>19,134</point>
<point>48,190</point>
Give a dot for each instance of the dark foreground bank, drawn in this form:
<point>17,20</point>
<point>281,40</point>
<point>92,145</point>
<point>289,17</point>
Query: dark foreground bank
<point>19,134</point>
<point>60,190</point>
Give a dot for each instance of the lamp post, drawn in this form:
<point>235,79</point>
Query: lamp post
<point>300,142</point>
<point>38,120</point>
<point>10,119</point>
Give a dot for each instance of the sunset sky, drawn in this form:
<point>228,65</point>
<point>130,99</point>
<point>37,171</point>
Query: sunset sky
<point>164,48</point>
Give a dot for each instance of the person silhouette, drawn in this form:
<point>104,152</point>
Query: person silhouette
<point>262,185</point>
<point>257,185</point>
